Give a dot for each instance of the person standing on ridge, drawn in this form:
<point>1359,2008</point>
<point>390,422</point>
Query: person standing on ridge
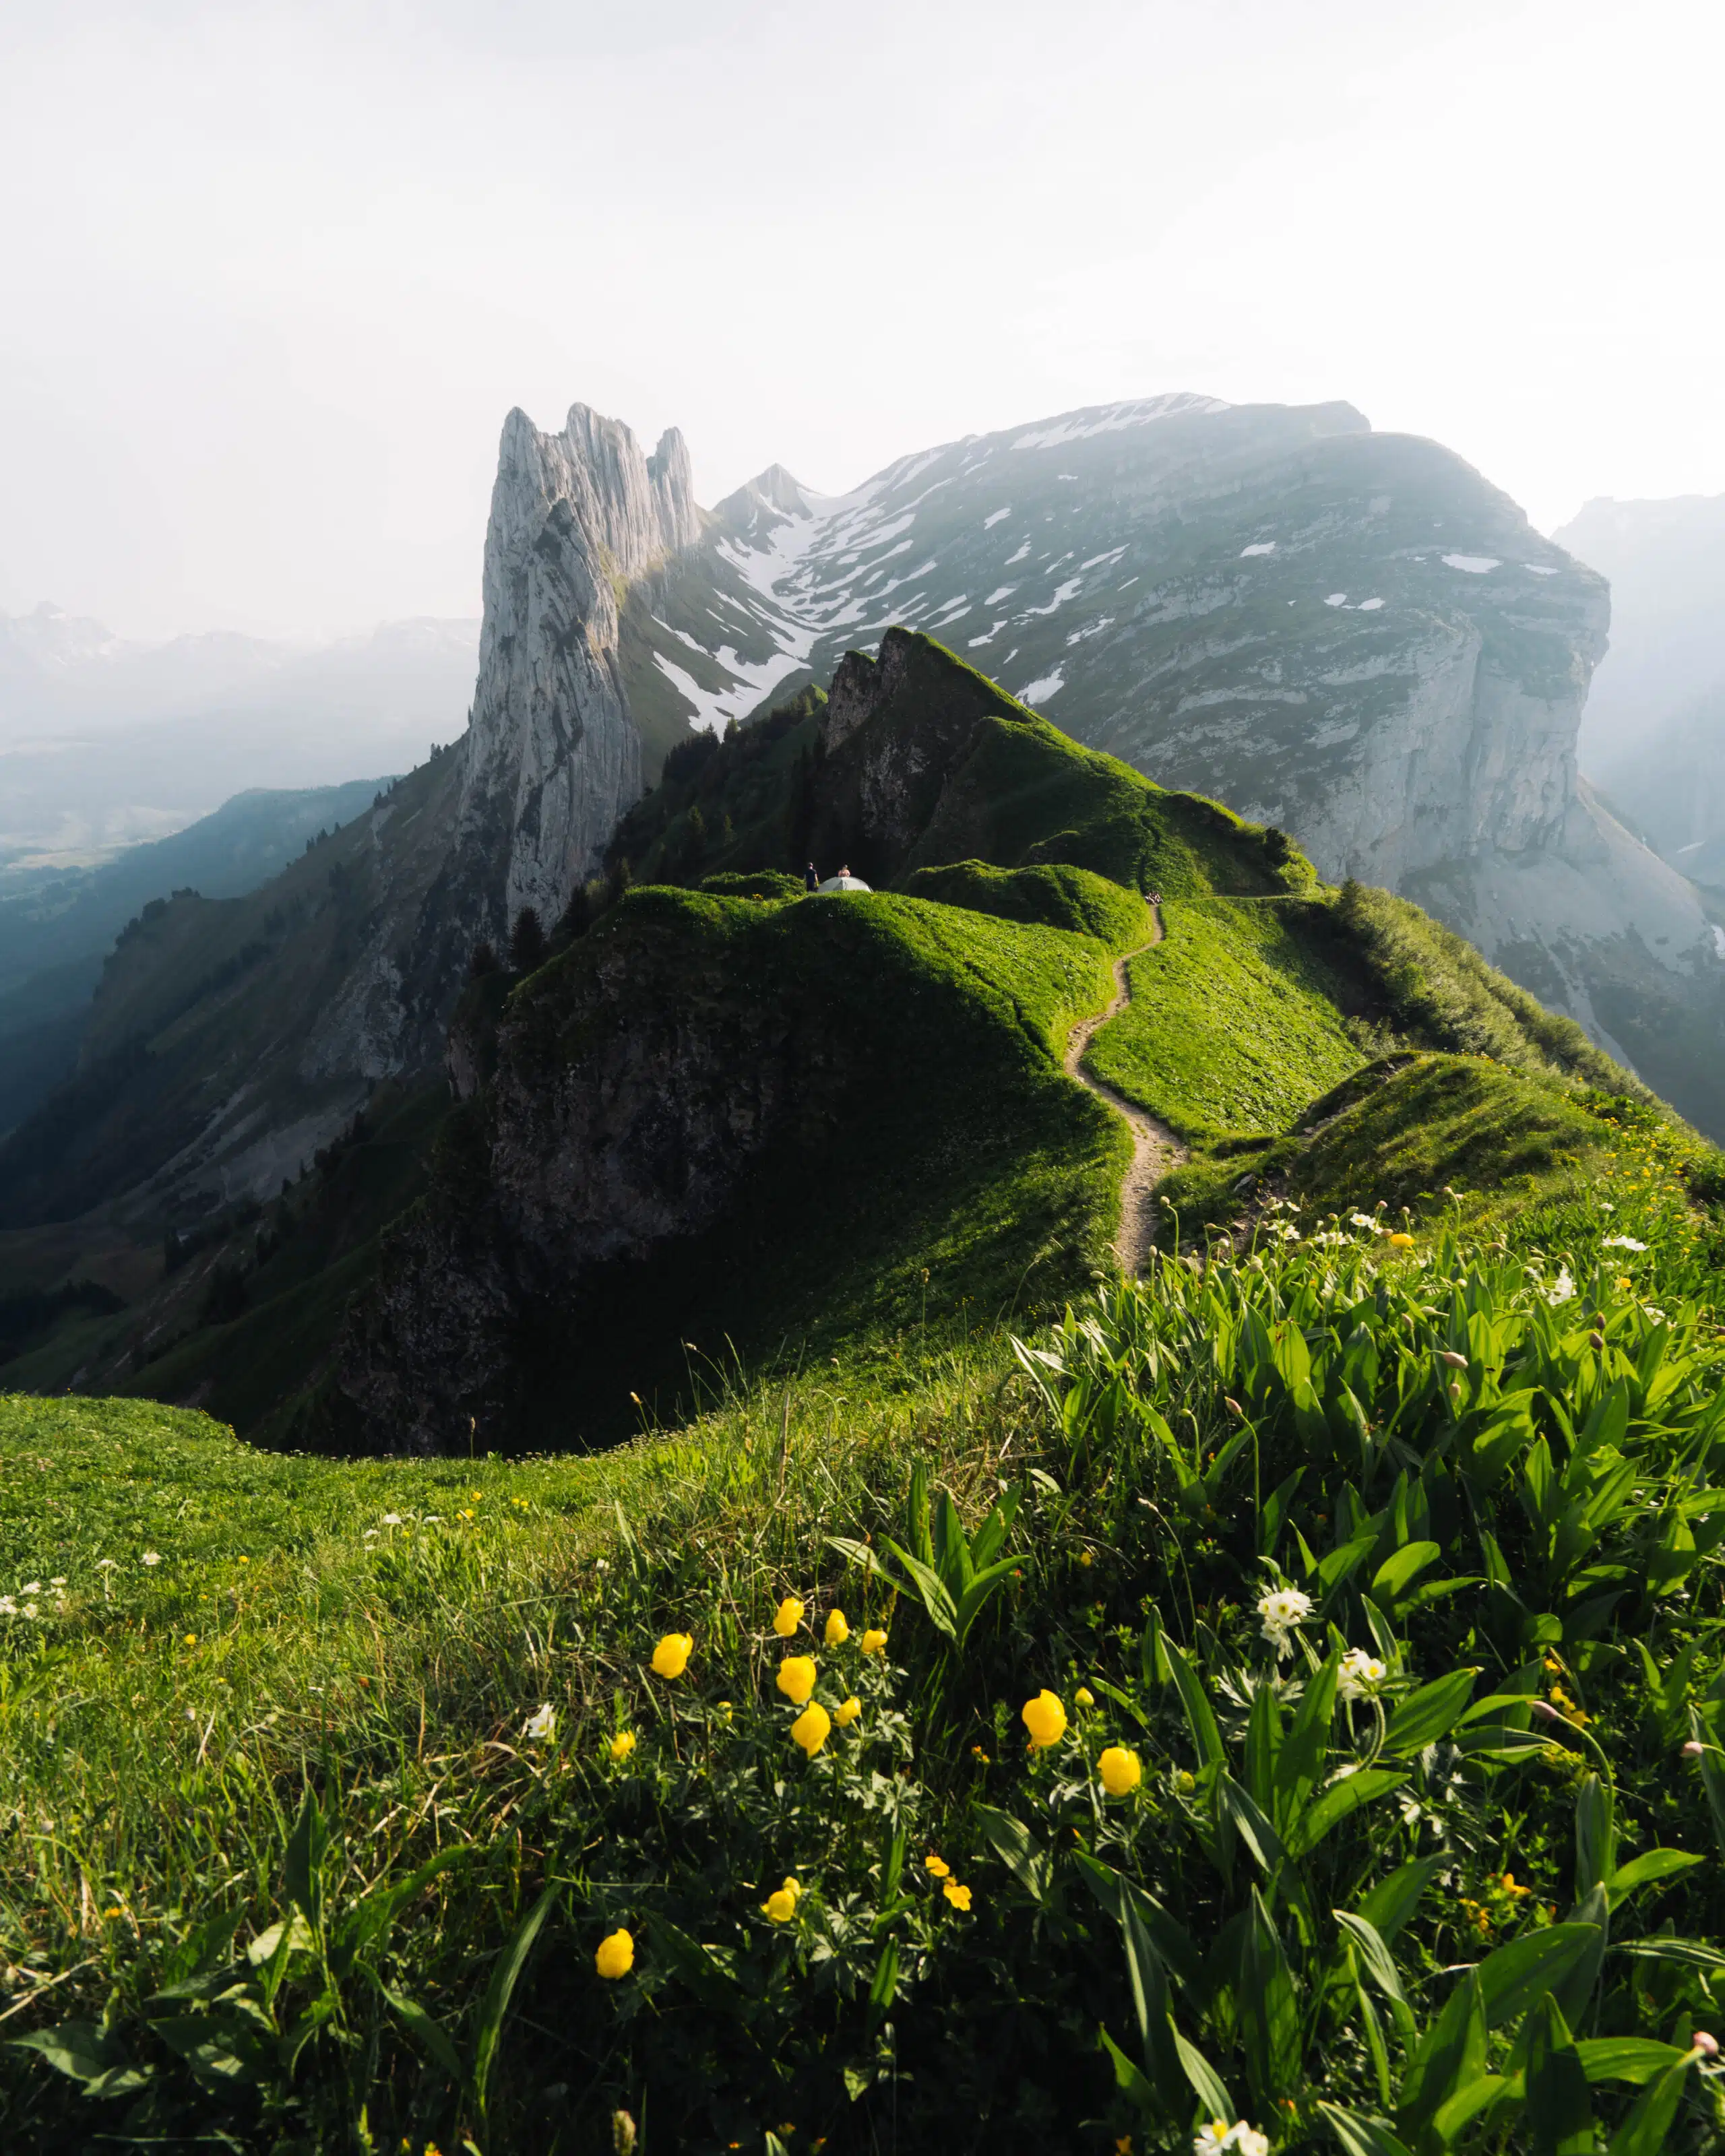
<point>811,881</point>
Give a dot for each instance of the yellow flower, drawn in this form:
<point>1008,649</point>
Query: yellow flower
<point>796,1678</point>
<point>874,1642</point>
<point>958,1896</point>
<point>787,1617</point>
<point>1085,1558</point>
<point>670,1657</point>
<point>837,1631</point>
<point>191,1639</point>
<point>812,1727</point>
<point>616,1956</point>
<point>1624,1287</point>
<point>1045,1719</point>
<point>623,1743</point>
<point>1400,1242</point>
<point>938,1865</point>
<point>781,1905</point>
<point>1121,1770</point>
<point>1085,1696</point>
<point>846,1714</point>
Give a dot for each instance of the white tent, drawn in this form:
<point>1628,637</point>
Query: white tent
<point>841,883</point>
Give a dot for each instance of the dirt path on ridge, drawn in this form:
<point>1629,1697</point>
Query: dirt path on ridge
<point>1155,1148</point>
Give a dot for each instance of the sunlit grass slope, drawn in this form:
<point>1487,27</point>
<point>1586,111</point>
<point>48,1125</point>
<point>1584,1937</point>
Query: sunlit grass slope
<point>324,1783</point>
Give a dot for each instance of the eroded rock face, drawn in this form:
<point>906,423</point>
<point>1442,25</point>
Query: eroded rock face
<point>552,759</point>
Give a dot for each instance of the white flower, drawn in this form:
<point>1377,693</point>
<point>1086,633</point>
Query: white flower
<point>30,1609</point>
<point>1360,1673</point>
<point>1562,1289</point>
<point>59,1580</point>
<point>1604,1208</point>
<point>1250,2142</point>
<point>8,1608</point>
<point>541,1727</point>
<point>31,1587</point>
<point>1623,1242</point>
<point>1212,2139</point>
<point>1365,1220</point>
<point>107,1564</point>
<point>1285,1231</point>
<point>152,1557</point>
<point>1280,1609</point>
<point>392,1519</point>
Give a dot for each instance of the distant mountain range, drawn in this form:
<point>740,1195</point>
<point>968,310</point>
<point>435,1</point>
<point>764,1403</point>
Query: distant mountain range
<point>1653,733</point>
<point>104,742</point>
<point>1349,635</point>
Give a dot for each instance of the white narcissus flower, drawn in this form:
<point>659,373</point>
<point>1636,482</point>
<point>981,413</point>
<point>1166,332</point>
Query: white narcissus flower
<point>1250,2142</point>
<point>1360,1674</point>
<point>152,1557</point>
<point>1364,1220</point>
<point>1562,1289</point>
<point>1280,1611</point>
<point>1212,2139</point>
<point>1623,1242</point>
<point>541,1727</point>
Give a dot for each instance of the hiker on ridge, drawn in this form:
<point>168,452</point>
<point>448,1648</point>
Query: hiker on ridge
<point>811,881</point>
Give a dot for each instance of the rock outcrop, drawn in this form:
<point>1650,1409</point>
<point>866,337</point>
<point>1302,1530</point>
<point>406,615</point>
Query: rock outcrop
<point>553,757</point>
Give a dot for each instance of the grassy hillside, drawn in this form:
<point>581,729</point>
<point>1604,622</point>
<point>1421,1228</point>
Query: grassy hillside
<point>919,1150</point>
<point>331,1786</point>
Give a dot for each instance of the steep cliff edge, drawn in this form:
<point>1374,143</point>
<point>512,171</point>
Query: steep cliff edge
<point>552,757</point>
<point>229,1042</point>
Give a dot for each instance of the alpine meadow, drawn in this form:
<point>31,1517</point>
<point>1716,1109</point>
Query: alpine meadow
<point>796,1410</point>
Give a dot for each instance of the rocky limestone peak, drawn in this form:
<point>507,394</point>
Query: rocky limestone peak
<point>552,757</point>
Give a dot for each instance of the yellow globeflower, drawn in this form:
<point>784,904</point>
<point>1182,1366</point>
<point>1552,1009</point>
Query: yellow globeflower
<point>846,1714</point>
<point>1085,1696</point>
<point>936,1866</point>
<point>796,1678</point>
<point>670,1657</point>
<point>781,1905</point>
<point>812,1727</point>
<point>874,1642</point>
<point>1121,1770</point>
<point>1045,1719</point>
<point>787,1617</point>
<point>1400,1242</point>
<point>958,1896</point>
<point>623,1743</point>
<point>837,1631</point>
<point>616,1956</point>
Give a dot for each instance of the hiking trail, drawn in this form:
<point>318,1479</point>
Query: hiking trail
<point>1155,1148</point>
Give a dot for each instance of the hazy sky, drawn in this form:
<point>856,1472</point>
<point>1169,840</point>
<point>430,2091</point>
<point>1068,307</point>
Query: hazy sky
<point>273,274</point>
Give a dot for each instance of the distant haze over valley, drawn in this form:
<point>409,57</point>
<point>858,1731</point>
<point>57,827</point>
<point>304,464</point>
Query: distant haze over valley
<point>105,742</point>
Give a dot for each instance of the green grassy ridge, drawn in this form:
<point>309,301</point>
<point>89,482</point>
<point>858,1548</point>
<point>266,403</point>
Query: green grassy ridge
<point>1236,1018</point>
<point>1056,897</point>
<point>1522,1148</point>
<point>1008,788</point>
<point>392,1669</point>
<point>933,1167</point>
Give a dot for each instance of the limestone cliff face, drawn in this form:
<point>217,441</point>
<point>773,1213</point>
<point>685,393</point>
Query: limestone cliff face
<point>553,757</point>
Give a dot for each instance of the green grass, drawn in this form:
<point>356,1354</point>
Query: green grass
<point>926,1164</point>
<point>1069,898</point>
<point>1235,1023</point>
<point>1497,1467</point>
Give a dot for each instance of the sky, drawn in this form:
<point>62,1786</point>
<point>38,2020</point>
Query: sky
<point>273,275</point>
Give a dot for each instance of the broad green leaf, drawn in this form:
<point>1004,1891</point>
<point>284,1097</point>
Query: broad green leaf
<point>1428,1714</point>
<point>1300,1766</point>
<point>303,1862</point>
<point>1360,2136</point>
<point>80,2049</point>
<point>1211,2090</point>
<point>494,2005</point>
<point>1451,2053</point>
<point>1375,1956</point>
<point>1337,1803</point>
<point>1595,1834</point>
<point>1559,2111</point>
<point>1012,1843</point>
<point>1646,2131</point>
<point>1393,1577</point>
<point>1127,2078</point>
<point>1393,1900</point>
<point>1633,2058</point>
<point>1686,1954</point>
<point>426,2032</point>
<point>1266,2011</point>
<point>1206,1737</point>
<point>1644,1870</point>
<point>884,1988</point>
<point>1514,1977</point>
<point>930,1588</point>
